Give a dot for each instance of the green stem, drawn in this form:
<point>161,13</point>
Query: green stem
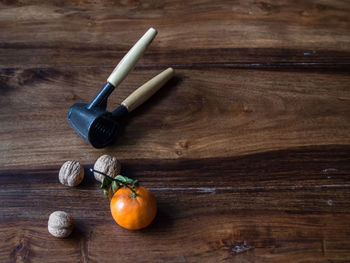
<point>132,190</point>
<point>120,180</point>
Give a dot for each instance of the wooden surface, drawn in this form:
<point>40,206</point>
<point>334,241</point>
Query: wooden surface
<point>247,148</point>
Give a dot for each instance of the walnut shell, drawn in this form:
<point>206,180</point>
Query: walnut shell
<point>71,173</point>
<point>106,164</point>
<point>60,224</point>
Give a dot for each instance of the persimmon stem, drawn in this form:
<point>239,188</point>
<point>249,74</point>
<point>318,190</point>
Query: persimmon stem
<point>120,181</point>
<point>132,190</point>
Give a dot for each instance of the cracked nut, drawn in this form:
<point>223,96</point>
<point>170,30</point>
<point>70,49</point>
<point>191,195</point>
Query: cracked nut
<point>108,165</point>
<point>71,173</point>
<point>60,224</point>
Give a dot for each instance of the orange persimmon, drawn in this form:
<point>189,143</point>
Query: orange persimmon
<point>133,209</point>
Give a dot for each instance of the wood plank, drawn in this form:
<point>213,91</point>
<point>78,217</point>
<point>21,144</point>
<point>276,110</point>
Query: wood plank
<point>247,149</point>
<point>263,207</point>
<point>199,114</point>
<point>250,33</point>
<point>307,238</point>
<point>304,167</point>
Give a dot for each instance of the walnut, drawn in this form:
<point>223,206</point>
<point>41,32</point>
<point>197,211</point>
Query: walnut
<point>60,224</point>
<point>71,173</point>
<point>106,164</point>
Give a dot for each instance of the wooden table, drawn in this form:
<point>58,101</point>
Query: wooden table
<point>247,149</point>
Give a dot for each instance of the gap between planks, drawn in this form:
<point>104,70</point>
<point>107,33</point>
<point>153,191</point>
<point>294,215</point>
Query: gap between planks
<point>209,190</point>
<point>236,65</point>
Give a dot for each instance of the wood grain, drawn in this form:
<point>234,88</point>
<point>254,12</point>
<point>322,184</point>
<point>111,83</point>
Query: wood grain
<point>258,208</point>
<point>199,114</point>
<point>240,33</point>
<point>247,148</point>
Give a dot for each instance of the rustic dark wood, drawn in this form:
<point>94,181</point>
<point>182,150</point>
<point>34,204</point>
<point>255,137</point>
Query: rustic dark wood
<point>297,210</point>
<point>247,149</point>
<point>199,114</point>
<point>240,33</point>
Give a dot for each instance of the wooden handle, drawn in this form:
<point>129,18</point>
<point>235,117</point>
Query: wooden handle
<point>144,92</point>
<point>129,60</point>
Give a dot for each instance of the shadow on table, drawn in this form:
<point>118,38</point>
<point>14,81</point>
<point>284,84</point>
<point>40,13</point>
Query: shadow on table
<point>162,222</point>
<point>141,112</point>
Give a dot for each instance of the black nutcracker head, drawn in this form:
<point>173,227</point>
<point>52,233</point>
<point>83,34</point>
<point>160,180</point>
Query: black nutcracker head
<point>93,123</point>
